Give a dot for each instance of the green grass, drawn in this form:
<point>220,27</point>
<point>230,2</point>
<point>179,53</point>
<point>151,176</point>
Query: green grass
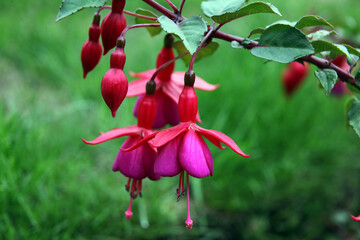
<point>302,181</point>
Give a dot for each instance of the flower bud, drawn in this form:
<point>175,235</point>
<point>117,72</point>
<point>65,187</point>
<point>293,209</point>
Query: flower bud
<point>91,50</point>
<point>293,76</point>
<point>118,58</point>
<point>188,105</point>
<point>114,88</point>
<point>166,54</point>
<point>111,28</point>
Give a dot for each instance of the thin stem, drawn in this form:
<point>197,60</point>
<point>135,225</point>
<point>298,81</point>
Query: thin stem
<point>161,9</point>
<point>166,64</point>
<point>207,36</point>
<point>139,15</point>
<point>172,6</point>
<point>181,6</point>
<point>102,8</point>
<point>122,35</point>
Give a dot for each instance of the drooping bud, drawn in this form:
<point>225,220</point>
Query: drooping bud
<point>188,103</point>
<point>112,25</point>
<point>166,54</point>
<point>147,107</point>
<point>91,50</point>
<point>340,87</point>
<point>114,85</point>
<point>293,76</point>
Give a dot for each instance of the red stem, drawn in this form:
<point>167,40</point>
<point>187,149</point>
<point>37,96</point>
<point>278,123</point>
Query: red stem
<point>172,6</point>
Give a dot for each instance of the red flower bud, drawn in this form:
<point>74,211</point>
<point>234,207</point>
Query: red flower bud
<point>91,50</point>
<point>114,88</point>
<point>340,87</point>
<point>293,76</point>
<point>112,25</point>
<point>188,105</point>
<point>114,85</point>
<point>166,54</point>
<point>147,111</point>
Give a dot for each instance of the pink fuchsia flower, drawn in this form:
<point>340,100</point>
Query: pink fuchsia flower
<point>139,163</point>
<point>182,148</point>
<point>169,86</point>
<point>355,218</point>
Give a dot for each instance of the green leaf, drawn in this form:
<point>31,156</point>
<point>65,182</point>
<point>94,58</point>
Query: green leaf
<point>352,50</point>
<point>69,7</point>
<point>220,7</point>
<point>334,49</point>
<point>152,30</point>
<point>319,34</point>
<point>256,31</point>
<point>282,43</point>
<point>311,20</point>
<point>204,52</point>
<point>189,31</point>
<point>327,78</point>
<point>252,8</point>
<point>354,117</point>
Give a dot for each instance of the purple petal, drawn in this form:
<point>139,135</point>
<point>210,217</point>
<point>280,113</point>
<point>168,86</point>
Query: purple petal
<point>167,164</point>
<point>131,163</point>
<point>160,120</point>
<point>192,157</point>
<point>149,156</point>
<point>171,111</point>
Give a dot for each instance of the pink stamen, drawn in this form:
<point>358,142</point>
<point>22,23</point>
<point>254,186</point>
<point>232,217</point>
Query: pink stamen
<point>128,213</point>
<point>188,222</point>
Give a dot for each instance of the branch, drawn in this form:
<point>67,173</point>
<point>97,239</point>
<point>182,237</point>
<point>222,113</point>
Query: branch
<point>319,62</point>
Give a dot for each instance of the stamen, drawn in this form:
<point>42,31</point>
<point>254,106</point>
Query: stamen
<point>178,190</point>
<point>138,188</point>
<point>128,213</point>
<point>127,186</point>
<point>188,222</point>
<point>133,188</point>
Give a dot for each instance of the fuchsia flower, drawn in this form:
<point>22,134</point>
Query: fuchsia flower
<point>169,86</point>
<point>139,163</point>
<point>182,148</point>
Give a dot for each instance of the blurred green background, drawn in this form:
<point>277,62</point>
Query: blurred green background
<point>302,181</point>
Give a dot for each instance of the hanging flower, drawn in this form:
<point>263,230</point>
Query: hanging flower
<point>169,86</point>
<point>139,163</point>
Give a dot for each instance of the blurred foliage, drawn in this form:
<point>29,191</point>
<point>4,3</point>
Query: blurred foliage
<point>302,181</point>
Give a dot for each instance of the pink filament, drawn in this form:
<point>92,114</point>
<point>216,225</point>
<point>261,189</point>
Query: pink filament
<point>188,222</point>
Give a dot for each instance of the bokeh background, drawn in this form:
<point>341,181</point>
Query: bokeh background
<point>302,181</point>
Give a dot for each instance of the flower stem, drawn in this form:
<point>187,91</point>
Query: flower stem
<point>181,6</point>
<point>122,35</point>
<point>207,36</point>
<point>172,6</point>
<point>102,8</point>
<point>140,15</point>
